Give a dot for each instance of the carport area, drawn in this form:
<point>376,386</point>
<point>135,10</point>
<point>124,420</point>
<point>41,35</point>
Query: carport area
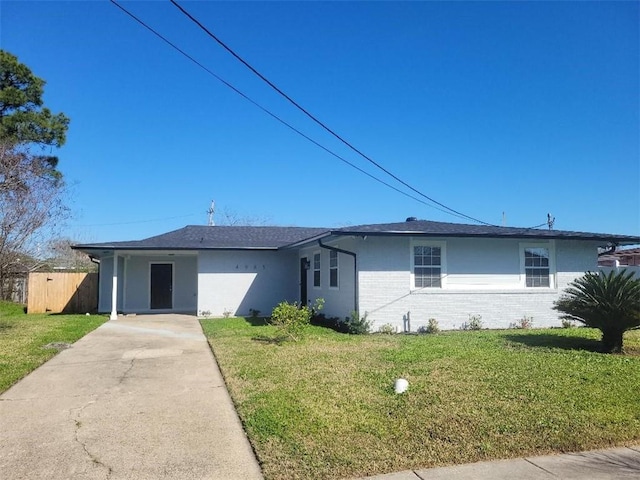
<point>139,398</point>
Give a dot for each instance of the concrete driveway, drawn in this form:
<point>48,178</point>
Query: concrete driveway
<point>138,398</point>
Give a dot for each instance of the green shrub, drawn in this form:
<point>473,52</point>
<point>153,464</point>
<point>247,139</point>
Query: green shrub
<point>387,329</point>
<point>610,303</point>
<point>334,323</point>
<point>291,319</point>
<point>522,324</point>
<point>431,327</point>
<point>353,324</point>
<point>474,323</point>
<point>566,323</point>
<point>356,325</point>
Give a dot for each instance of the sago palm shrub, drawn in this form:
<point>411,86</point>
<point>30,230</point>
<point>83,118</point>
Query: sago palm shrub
<point>610,303</point>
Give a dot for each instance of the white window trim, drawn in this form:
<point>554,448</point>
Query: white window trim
<point>337,269</point>
<point>551,246</point>
<point>313,270</point>
<point>443,264</point>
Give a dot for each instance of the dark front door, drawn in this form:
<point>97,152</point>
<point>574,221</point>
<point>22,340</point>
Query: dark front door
<point>161,286</point>
<point>304,268</point>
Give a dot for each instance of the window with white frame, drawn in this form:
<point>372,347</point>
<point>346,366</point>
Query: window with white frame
<point>427,266</point>
<point>333,269</point>
<point>537,270</point>
<point>316,269</point>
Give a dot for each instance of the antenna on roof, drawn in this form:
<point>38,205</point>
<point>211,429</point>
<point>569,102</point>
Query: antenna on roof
<point>550,221</point>
<point>211,211</point>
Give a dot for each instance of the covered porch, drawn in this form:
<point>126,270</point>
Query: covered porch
<point>148,282</point>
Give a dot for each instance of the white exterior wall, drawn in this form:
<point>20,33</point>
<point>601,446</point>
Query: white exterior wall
<point>137,282</point>
<point>237,281</point>
<point>481,277</point>
<point>339,302</point>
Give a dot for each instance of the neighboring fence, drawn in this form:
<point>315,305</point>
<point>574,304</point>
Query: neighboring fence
<point>62,292</point>
<point>634,269</point>
<point>14,288</point>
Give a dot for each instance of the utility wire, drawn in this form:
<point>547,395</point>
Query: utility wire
<point>320,123</point>
<point>274,116</point>
<point>135,221</point>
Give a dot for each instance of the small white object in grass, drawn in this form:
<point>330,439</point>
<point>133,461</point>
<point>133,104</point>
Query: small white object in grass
<point>401,385</point>
<point>88,314</point>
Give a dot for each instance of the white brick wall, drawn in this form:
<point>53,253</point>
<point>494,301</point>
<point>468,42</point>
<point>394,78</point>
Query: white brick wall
<point>483,278</point>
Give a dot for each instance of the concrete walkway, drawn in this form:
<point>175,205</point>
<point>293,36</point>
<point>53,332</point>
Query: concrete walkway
<point>138,398</point>
<point>610,464</point>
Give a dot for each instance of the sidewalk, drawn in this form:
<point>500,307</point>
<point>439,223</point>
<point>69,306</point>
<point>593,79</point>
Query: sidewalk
<point>138,398</point>
<point>610,464</point>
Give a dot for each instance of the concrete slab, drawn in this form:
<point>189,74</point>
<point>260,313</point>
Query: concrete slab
<point>405,475</point>
<point>498,470</point>
<point>617,463</point>
<point>610,464</point>
<point>139,398</point>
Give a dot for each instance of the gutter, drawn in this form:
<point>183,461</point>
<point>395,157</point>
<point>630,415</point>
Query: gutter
<point>355,271</point>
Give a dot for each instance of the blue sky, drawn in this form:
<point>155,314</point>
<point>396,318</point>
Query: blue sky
<point>488,107</point>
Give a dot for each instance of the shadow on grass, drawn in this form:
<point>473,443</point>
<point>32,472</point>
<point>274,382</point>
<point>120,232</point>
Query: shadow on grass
<point>556,341</point>
<point>257,321</point>
<point>5,325</point>
<point>267,340</point>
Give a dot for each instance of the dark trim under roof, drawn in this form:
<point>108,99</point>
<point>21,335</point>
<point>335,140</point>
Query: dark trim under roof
<point>203,237</point>
<point>443,229</point>
<point>199,237</point>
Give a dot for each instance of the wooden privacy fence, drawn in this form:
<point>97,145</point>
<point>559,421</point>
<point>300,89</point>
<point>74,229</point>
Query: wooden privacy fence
<point>62,292</point>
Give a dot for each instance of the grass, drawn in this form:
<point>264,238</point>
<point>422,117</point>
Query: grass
<point>325,408</point>
<point>22,338</point>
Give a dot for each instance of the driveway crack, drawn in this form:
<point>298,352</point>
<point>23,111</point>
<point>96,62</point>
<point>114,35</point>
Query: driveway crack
<point>78,425</point>
<point>75,415</point>
<point>124,375</point>
<point>92,457</point>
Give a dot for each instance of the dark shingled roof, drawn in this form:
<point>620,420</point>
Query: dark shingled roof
<point>198,237</point>
<point>443,229</point>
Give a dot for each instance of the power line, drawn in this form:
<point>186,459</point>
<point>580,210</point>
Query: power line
<point>276,117</point>
<point>135,221</point>
<point>312,117</point>
<point>549,223</point>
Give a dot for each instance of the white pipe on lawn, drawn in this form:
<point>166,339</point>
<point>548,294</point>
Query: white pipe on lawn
<point>401,385</point>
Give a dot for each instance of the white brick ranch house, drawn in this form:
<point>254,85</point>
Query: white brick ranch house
<point>413,269</point>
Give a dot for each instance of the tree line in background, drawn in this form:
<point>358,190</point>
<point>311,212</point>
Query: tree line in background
<point>32,188</point>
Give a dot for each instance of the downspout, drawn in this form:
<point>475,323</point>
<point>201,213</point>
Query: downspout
<point>355,271</point>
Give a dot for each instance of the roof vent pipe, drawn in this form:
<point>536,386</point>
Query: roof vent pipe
<point>411,219</point>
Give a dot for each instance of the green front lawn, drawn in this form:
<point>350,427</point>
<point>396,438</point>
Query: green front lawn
<point>22,338</point>
<point>325,407</point>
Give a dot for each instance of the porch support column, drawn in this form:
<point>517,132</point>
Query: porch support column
<point>114,288</point>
